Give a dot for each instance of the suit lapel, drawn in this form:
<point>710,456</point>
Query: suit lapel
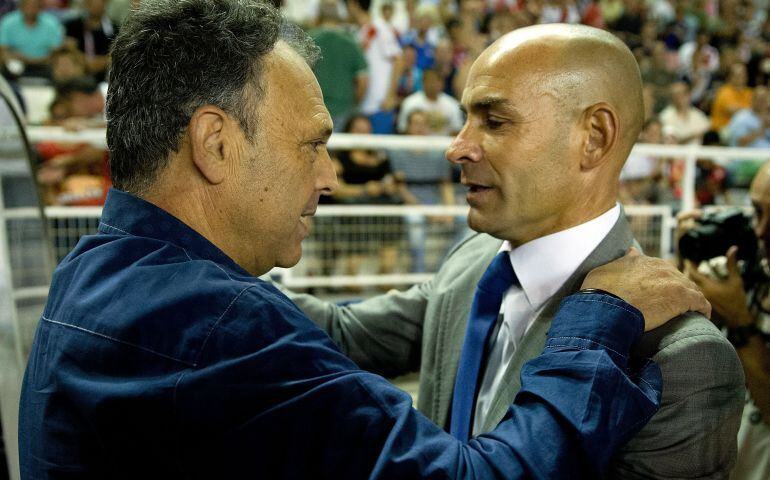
<point>455,308</point>
<point>614,245</point>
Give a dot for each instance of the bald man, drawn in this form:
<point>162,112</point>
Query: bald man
<point>552,114</point>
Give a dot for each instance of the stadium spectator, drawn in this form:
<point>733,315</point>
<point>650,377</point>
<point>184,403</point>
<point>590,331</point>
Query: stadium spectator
<point>410,79</point>
<point>424,35</point>
<point>29,35</point>
<point>611,10</point>
<point>443,111</point>
<point>81,104</point>
<point>742,309</point>
<point>656,71</point>
<point>342,70</point>
<point>699,63</point>
<point>750,127</point>
<point>427,174</point>
<point>382,50</point>
<point>118,10</point>
<point>641,174</point>
<point>92,32</point>
<point>445,66</point>
<point>682,122</point>
<point>366,178</point>
<point>559,11</point>
<point>428,177</point>
<point>74,173</point>
<point>733,96</point>
<point>67,64</point>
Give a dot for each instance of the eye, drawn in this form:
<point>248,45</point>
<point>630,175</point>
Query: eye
<point>493,123</point>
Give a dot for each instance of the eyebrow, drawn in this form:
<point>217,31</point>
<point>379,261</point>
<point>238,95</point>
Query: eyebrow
<point>324,132</point>
<point>489,103</point>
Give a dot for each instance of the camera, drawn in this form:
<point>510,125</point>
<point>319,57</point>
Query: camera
<point>715,233</point>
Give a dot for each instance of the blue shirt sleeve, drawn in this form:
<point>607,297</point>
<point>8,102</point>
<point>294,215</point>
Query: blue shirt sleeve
<point>287,402</point>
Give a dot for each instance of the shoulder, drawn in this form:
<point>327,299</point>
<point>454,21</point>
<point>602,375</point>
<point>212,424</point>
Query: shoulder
<point>682,330</point>
<point>11,19</point>
<point>693,355</point>
<point>694,433</point>
<point>49,20</point>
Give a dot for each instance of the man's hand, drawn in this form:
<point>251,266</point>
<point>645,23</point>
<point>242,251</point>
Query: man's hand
<point>652,285</point>
<point>727,296</point>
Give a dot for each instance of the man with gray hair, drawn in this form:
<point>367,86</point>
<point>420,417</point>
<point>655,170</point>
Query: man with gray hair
<point>160,354</point>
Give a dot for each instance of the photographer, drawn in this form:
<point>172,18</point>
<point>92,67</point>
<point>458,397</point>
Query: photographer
<point>741,305</point>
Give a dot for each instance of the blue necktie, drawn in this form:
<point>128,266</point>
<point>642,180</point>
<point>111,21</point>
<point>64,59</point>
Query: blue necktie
<point>485,309</point>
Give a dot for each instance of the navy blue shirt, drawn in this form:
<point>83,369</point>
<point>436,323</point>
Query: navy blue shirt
<point>159,357</point>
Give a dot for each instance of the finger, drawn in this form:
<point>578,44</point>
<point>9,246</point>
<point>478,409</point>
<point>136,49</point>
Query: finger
<point>693,274</point>
<point>633,252</point>
<point>698,303</point>
<point>732,261</point>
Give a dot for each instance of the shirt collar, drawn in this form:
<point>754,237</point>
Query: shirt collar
<point>126,214</point>
<point>544,264</point>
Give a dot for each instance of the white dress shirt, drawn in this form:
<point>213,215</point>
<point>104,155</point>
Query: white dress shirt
<point>541,266</point>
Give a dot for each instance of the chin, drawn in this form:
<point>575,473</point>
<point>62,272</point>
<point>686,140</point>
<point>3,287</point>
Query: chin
<point>288,259</point>
<point>477,222</point>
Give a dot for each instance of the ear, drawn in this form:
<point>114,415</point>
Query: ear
<point>601,125</point>
<point>207,139</point>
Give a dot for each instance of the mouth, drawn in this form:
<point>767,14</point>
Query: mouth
<point>474,187</point>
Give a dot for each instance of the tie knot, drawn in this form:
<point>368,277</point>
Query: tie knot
<point>499,275</point>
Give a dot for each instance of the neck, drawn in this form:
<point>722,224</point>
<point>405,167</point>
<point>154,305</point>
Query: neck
<point>574,216</point>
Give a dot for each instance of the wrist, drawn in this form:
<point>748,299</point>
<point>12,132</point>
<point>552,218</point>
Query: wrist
<point>742,318</point>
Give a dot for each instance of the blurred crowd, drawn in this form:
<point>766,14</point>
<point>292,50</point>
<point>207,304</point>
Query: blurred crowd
<point>399,67</point>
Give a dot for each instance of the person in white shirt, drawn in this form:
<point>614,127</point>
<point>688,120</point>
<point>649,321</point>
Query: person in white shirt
<point>681,121</point>
<point>444,114</point>
<point>382,50</point>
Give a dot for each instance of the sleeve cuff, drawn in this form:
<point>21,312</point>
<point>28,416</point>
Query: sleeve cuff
<point>595,321</point>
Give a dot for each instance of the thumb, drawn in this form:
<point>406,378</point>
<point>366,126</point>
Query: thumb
<point>633,252</point>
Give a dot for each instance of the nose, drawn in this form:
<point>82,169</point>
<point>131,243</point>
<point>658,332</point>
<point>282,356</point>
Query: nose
<point>326,180</point>
<point>465,147</point>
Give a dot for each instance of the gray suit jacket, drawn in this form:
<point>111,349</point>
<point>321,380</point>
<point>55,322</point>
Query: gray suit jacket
<point>692,436</point>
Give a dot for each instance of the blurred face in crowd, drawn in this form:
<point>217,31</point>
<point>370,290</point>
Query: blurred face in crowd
<point>443,52</point>
<point>86,105</point>
<point>30,9</point>
<point>738,76</point>
<point>360,125</point>
<point>432,84</point>
<point>410,57</point>
<point>387,12</point>
<point>759,101</point>
<point>472,7</point>
<point>283,172</point>
<point>96,8</point>
<point>417,124</point>
<point>652,133</point>
<point>64,67</point>
<point>680,96</point>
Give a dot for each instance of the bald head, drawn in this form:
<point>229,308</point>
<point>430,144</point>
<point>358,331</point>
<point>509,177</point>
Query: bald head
<point>580,66</point>
<point>553,112</point>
